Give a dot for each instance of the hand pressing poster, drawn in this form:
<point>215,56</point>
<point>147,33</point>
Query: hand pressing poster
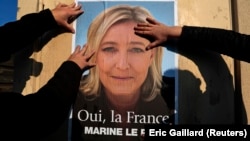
<point>129,87</point>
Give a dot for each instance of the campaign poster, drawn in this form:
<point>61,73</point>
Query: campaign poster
<point>129,87</point>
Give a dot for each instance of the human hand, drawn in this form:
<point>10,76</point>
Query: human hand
<point>157,32</point>
<point>66,14</point>
<point>80,57</point>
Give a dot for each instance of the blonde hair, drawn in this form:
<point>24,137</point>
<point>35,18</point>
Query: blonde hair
<point>91,86</point>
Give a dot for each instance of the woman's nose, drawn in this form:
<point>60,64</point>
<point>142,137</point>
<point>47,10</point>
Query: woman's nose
<point>122,61</point>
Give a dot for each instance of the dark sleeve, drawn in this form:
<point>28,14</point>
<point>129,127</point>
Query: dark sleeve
<point>168,94</point>
<point>168,91</point>
<point>223,41</point>
<point>47,109</point>
<point>19,34</point>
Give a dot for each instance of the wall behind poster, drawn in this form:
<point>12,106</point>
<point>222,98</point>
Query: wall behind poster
<point>163,11</point>
<point>8,11</point>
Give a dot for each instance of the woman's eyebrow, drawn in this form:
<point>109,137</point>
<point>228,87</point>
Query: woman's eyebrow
<point>109,43</point>
<point>137,43</point>
<point>114,43</point>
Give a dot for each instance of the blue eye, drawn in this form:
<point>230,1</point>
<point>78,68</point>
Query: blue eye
<point>109,49</point>
<point>136,50</point>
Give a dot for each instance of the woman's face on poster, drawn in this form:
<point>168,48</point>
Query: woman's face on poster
<point>122,60</point>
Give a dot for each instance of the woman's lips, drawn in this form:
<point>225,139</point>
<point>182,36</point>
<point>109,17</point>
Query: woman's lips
<point>122,77</point>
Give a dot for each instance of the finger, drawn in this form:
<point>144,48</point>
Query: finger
<point>63,5</point>
<point>77,14</point>
<point>72,5</point>
<point>68,27</point>
<point>139,31</point>
<point>78,7</point>
<point>84,49</point>
<point>141,24</point>
<point>59,5</point>
<point>89,66</point>
<point>151,20</point>
<point>144,32</point>
<point>154,44</point>
<point>151,45</point>
<point>142,28</point>
<point>71,28</point>
<point>89,56</point>
<point>77,49</point>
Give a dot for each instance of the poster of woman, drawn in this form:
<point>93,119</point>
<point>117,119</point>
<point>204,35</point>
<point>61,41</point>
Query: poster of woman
<point>129,87</point>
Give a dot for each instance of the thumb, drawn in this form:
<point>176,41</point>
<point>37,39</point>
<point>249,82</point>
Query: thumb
<point>152,45</point>
<point>69,27</point>
<point>72,5</point>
